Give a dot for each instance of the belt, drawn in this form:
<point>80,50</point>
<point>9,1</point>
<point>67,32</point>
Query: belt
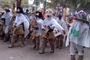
<point>50,30</point>
<point>5,25</point>
<point>36,28</point>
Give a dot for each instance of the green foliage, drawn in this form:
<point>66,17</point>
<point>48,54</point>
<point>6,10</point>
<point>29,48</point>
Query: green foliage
<point>37,2</point>
<point>8,3</point>
<point>72,4</point>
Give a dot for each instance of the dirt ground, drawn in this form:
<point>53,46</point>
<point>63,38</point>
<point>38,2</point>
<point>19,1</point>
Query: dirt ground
<point>28,53</point>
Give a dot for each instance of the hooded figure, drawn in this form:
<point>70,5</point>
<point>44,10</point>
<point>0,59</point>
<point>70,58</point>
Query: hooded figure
<point>78,35</point>
<point>20,18</point>
<point>48,26</point>
<point>20,21</point>
<point>37,29</point>
<point>7,18</point>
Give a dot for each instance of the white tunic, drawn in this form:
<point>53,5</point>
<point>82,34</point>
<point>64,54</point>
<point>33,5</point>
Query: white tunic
<point>20,18</point>
<point>81,35</point>
<point>27,17</point>
<point>52,21</point>
<point>39,24</point>
<point>63,24</point>
<point>8,24</point>
<point>7,17</point>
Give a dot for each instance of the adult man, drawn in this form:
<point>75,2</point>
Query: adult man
<point>7,17</point>
<point>37,29</point>
<point>22,24</point>
<point>48,26</point>
<point>78,35</point>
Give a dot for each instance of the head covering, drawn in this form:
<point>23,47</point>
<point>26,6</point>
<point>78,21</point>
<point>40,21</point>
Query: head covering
<point>49,12</point>
<point>81,14</point>
<point>60,16</point>
<point>7,10</point>
<point>14,11</point>
<point>43,14</point>
<point>39,14</point>
<point>19,10</point>
<point>27,12</point>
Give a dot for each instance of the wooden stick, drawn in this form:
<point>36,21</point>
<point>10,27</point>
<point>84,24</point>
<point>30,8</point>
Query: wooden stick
<point>64,15</point>
<point>78,6</point>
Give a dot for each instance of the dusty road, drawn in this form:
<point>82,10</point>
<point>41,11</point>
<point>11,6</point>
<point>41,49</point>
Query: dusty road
<point>27,53</point>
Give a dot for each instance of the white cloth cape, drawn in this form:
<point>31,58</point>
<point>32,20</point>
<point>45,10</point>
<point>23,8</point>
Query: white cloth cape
<point>20,18</point>
<point>83,37</point>
<point>52,21</point>
<point>39,24</point>
<point>7,17</point>
<point>63,24</point>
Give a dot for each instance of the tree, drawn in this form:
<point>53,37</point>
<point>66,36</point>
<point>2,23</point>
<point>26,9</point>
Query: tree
<point>37,2</point>
<point>12,3</point>
<point>70,3</point>
<point>19,3</point>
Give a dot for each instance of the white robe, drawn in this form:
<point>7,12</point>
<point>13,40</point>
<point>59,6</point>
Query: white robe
<point>27,17</point>
<point>39,24</point>
<point>20,18</point>
<point>8,17</point>
<point>63,24</point>
<point>83,38</point>
<point>52,21</point>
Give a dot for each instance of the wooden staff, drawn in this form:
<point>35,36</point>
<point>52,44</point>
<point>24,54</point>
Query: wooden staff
<point>77,7</point>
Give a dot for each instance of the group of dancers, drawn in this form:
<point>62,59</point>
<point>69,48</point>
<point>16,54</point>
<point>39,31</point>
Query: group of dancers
<point>45,28</point>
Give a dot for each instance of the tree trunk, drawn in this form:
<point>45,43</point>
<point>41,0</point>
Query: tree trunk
<point>33,9</point>
<point>19,3</point>
<point>44,5</point>
<point>13,6</point>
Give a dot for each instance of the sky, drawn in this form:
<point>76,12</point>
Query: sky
<point>41,5</point>
<point>30,1</point>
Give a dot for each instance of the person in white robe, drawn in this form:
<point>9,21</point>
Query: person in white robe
<point>78,36</point>
<point>37,30</point>
<point>59,37</point>
<point>20,19</point>
<point>48,25</point>
<point>7,26</point>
